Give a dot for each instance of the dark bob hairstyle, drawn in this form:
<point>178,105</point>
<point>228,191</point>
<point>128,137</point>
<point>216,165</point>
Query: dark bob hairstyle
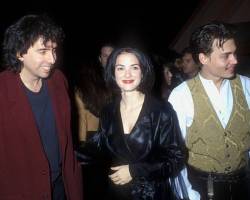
<point>148,77</point>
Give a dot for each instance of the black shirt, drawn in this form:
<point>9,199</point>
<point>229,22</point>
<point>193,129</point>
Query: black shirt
<point>45,121</point>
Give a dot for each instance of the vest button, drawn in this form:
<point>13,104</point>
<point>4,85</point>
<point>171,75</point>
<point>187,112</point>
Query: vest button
<point>228,155</point>
<point>227,145</point>
<point>227,169</point>
<point>225,133</point>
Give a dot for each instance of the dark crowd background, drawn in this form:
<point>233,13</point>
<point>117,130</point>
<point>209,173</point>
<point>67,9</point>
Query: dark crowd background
<point>151,25</point>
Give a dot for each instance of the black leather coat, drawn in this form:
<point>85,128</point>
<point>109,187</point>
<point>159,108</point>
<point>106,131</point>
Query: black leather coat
<point>154,150</point>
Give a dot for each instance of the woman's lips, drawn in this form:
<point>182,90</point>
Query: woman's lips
<point>127,81</point>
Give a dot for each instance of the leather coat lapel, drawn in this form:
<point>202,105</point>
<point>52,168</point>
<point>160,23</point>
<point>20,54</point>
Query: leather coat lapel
<point>129,149</point>
<point>116,138</point>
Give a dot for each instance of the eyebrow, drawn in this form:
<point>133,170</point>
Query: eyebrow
<point>46,48</point>
<point>228,53</point>
<point>124,65</point>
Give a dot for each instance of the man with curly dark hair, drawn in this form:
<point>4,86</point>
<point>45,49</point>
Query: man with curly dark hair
<point>36,151</point>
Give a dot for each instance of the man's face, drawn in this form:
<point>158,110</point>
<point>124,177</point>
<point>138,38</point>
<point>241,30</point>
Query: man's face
<point>221,63</point>
<point>105,52</point>
<point>189,66</point>
<point>39,60</point>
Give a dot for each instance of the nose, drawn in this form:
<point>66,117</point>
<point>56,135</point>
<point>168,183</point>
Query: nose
<point>234,59</point>
<point>127,73</point>
<point>51,57</point>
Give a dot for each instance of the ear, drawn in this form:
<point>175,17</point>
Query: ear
<point>203,58</point>
<point>19,56</point>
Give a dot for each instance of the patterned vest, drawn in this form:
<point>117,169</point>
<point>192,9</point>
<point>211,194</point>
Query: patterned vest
<point>211,147</point>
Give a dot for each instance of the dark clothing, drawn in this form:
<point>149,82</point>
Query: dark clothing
<point>154,150</point>
<point>24,169</point>
<point>42,109</point>
<point>225,187</point>
<point>58,191</point>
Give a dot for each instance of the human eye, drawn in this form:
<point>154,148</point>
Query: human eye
<point>224,56</point>
<point>42,51</point>
<point>119,68</point>
<point>136,67</point>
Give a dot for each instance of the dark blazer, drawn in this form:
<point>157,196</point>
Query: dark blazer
<point>24,168</point>
<point>154,150</point>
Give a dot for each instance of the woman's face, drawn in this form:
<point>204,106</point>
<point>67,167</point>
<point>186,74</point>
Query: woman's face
<point>168,75</point>
<point>128,73</point>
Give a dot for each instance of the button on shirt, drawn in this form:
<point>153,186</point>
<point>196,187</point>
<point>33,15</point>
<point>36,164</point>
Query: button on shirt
<point>221,100</point>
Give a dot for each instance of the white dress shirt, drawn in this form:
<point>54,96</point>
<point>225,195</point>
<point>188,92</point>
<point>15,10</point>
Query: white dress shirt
<point>221,100</point>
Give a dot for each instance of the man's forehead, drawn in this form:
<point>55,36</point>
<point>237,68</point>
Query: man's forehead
<point>47,44</point>
<point>220,44</point>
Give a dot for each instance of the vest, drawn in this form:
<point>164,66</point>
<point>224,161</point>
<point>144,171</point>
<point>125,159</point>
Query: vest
<point>211,147</point>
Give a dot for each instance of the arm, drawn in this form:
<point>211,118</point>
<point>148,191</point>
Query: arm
<point>245,81</point>
<point>81,118</point>
<point>93,149</point>
<point>179,98</point>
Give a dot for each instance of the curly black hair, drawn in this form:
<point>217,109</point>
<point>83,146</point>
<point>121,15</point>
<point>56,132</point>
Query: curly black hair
<point>20,36</point>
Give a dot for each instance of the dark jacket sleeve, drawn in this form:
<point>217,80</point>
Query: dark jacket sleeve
<point>168,149</point>
<point>93,150</point>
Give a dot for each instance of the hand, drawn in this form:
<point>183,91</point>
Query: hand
<point>121,175</point>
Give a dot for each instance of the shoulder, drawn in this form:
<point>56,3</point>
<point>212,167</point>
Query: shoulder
<point>155,106</point>
<point>57,74</point>
<point>244,80</point>
<point>181,88</point>
<point>7,78</point>
<point>6,74</point>
<point>179,92</point>
<point>58,78</point>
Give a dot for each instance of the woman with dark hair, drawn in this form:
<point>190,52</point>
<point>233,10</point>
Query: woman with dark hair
<point>139,137</point>
<point>91,95</point>
<point>166,86</point>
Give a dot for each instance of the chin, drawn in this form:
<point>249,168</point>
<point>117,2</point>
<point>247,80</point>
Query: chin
<point>129,89</point>
<point>46,75</point>
<point>230,76</point>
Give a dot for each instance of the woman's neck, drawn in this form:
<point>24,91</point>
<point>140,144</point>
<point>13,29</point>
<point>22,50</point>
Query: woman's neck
<point>132,99</point>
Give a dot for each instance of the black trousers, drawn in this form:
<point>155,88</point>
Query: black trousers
<point>235,189</point>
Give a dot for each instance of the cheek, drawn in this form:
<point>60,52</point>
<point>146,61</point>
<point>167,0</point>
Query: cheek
<point>139,75</point>
<point>118,79</point>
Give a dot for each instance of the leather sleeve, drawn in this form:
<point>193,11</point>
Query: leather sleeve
<point>168,149</point>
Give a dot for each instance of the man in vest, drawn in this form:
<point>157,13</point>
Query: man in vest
<point>213,111</point>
